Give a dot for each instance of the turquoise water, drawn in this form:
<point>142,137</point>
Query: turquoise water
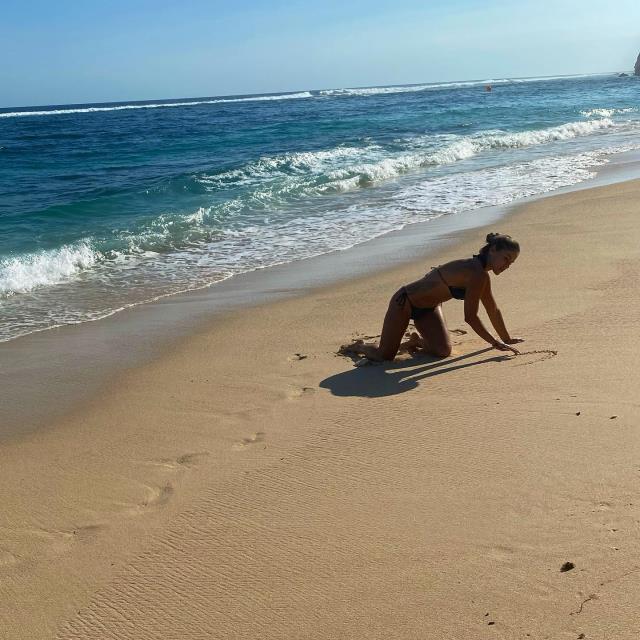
<point>107,206</point>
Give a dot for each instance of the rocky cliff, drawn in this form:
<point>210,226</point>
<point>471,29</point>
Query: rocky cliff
<point>637,67</point>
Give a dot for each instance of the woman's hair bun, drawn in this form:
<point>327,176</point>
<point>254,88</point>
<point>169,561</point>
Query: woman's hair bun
<point>500,241</point>
<point>492,237</point>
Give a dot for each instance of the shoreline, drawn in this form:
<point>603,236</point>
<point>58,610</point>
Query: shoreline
<point>38,365</point>
<point>249,483</point>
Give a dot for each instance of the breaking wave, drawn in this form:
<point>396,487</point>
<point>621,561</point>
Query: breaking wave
<point>156,105</point>
<point>345,168</point>
<point>606,113</point>
<point>27,272</point>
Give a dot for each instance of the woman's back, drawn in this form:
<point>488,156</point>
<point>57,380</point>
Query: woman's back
<point>443,283</point>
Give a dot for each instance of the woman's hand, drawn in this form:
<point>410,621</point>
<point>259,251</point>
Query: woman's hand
<point>514,340</point>
<point>501,346</point>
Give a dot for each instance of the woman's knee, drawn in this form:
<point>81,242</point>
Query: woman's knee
<point>388,353</point>
<point>441,351</point>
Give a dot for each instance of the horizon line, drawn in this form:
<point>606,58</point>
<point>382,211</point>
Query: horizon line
<point>141,101</point>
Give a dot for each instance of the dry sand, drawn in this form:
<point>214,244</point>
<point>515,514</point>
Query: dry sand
<point>252,484</point>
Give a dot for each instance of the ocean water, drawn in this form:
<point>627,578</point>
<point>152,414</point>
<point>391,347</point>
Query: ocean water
<point>110,205</point>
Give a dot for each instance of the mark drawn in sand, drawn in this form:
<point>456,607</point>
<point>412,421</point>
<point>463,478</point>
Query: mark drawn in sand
<point>247,442</point>
<point>593,596</point>
<point>534,356</point>
<point>363,354</point>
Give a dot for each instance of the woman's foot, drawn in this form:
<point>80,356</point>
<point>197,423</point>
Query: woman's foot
<point>413,343</point>
<point>359,348</point>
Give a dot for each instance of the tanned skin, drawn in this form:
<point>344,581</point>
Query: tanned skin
<point>431,291</point>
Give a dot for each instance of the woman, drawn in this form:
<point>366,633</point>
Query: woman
<point>420,301</point>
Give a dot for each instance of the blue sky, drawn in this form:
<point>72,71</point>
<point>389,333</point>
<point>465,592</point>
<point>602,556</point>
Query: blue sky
<point>68,51</point>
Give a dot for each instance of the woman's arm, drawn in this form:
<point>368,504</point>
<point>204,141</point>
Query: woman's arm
<point>494,314</point>
<point>478,284</point>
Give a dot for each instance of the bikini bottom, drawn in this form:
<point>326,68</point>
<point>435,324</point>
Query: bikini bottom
<point>416,312</point>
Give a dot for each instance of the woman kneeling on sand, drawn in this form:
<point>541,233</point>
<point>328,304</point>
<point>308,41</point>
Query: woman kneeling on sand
<point>467,279</point>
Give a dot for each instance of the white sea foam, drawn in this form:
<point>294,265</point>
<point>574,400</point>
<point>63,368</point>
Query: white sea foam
<point>346,168</point>
<point>542,136</point>
<point>606,113</point>
<point>158,105</point>
<point>45,268</point>
<point>374,91</point>
<point>308,163</point>
<point>371,91</point>
<point>305,235</point>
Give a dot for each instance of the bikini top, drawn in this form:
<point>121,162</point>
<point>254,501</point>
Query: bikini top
<point>459,292</point>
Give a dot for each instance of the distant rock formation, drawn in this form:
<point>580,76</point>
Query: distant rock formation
<point>636,69</point>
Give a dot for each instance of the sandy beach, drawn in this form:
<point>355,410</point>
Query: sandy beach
<point>250,483</point>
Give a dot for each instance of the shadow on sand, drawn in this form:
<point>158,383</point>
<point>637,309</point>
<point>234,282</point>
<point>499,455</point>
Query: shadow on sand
<point>397,377</point>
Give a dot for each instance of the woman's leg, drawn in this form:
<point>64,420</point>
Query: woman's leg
<point>432,328</point>
<point>396,321</point>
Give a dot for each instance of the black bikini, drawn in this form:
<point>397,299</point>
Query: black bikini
<point>456,292</point>
<point>416,312</point>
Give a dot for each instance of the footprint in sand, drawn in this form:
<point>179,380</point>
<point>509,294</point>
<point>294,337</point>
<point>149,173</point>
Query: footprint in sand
<point>190,459</point>
<point>55,541</point>
<point>32,544</point>
<point>501,553</point>
<point>157,496</point>
<point>297,356</point>
<point>458,332</point>
<point>58,541</point>
<point>87,531</point>
<point>294,393</point>
<point>247,442</point>
<point>7,558</point>
<point>158,491</point>
<point>154,496</point>
<point>149,496</point>
<point>185,460</point>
